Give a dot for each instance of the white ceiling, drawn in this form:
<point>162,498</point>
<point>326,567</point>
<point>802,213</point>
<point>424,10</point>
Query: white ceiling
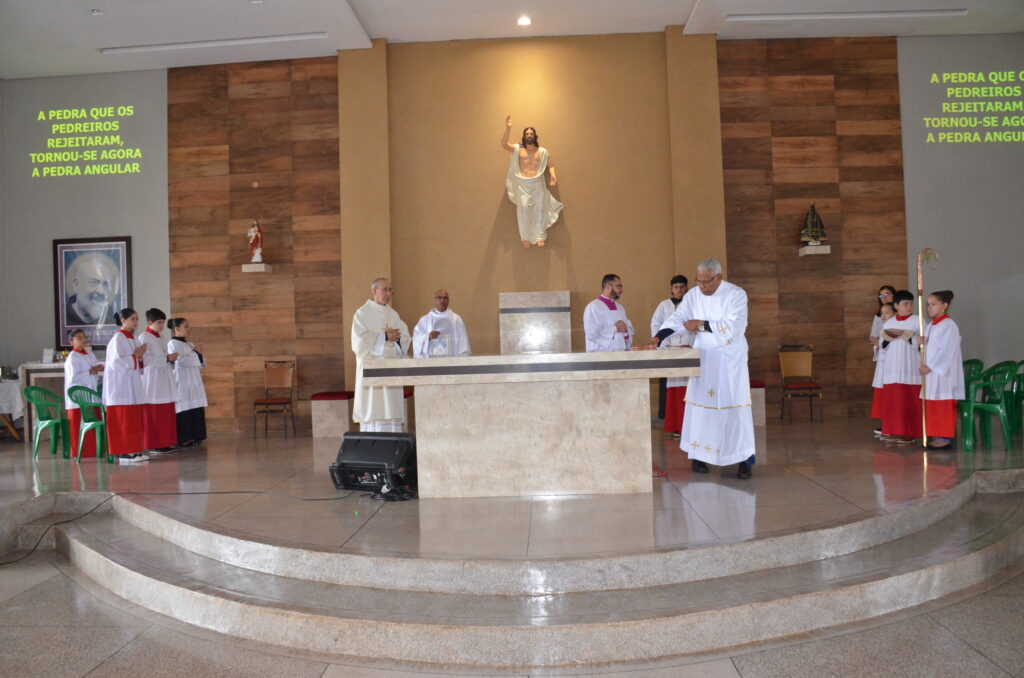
<point>61,37</point>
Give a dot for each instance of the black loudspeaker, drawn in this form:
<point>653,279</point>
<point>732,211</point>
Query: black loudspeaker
<point>373,461</point>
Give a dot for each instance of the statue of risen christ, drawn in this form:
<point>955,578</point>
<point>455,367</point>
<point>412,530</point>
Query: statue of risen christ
<point>536,209</point>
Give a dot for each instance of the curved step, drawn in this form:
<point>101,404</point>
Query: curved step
<point>531,576</point>
<point>981,538</point>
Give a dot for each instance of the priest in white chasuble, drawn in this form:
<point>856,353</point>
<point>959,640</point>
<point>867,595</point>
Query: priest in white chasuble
<point>378,332</point>
<point>718,427</point>
<point>441,332</point>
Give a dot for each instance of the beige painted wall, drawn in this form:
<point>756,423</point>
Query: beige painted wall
<point>599,104</point>
<point>365,194</point>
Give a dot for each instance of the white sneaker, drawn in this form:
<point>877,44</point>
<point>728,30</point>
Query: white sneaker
<point>133,458</point>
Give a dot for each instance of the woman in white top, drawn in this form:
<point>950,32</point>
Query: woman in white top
<point>122,390</point>
<point>191,404</point>
<point>942,371</point>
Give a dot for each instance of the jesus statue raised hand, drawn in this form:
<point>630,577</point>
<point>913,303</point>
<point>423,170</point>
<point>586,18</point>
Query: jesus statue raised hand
<point>536,209</point>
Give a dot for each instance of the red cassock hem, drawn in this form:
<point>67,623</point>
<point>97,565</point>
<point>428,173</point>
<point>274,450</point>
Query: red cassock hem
<point>675,408</point>
<point>941,418</point>
<point>901,410</point>
<point>124,428</point>
<point>876,404</point>
<point>159,426</point>
<point>74,426</point>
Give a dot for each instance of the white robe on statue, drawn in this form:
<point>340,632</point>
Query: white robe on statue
<point>718,426</point>
<point>536,209</point>
<point>380,408</point>
<point>191,392</point>
<point>157,372</point>
<point>599,318</point>
<point>680,338</point>
<point>453,339</point>
<point>76,373</point>
<point>942,355</point>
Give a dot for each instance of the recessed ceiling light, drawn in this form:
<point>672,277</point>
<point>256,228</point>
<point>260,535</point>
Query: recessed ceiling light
<point>256,2</point>
<point>96,12</point>
<point>524,21</point>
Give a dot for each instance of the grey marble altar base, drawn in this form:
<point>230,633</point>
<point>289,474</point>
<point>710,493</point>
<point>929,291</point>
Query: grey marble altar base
<point>533,438</point>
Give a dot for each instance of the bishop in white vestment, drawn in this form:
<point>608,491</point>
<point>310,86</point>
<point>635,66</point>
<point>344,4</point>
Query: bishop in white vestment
<point>718,427</point>
<point>604,319</point>
<point>378,332</point>
<point>441,332</point>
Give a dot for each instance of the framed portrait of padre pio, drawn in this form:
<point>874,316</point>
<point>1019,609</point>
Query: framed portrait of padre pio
<point>92,280</point>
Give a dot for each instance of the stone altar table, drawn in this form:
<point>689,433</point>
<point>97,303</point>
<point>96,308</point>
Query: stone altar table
<point>518,425</point>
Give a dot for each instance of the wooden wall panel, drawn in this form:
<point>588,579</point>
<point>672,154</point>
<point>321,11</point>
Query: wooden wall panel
<point>257,140</point>
<point>805,121</point>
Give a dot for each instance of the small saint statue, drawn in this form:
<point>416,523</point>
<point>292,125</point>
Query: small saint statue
<point>256,242</point>
<point>814,229</point>
<point>536,209</point>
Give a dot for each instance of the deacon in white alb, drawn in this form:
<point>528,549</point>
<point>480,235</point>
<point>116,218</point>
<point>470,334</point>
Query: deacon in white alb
<point>440,333</point>
<point>604,319</point>
<point>718,427</point>
<point>378,332</point>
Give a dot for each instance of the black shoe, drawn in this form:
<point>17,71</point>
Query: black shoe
<point>743,472</point>
<point>698,466</point>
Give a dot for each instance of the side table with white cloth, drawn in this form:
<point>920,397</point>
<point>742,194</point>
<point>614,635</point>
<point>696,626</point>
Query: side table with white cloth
<point>12,406</point>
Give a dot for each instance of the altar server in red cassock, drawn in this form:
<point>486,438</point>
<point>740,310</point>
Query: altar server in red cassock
<point>901,382</point>
<point>160,428</point>
<point>943,371</point>
<point>80,369</point>
<point>122,390</point>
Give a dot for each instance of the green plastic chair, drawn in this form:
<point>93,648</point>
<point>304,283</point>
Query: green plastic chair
<point>49,415</point>
<point>988,396</point>
<point>90,404</point>
<point>1017,400</point>
<point>972,372</point>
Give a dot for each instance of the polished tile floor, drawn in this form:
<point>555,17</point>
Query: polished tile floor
<point>807,475</point>
<point>53,622</point>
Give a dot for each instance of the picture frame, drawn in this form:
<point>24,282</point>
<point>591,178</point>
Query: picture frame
<point>92,280</point>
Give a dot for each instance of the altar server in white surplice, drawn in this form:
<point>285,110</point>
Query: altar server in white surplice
<point>190,410</point>
<point>674,399</point>
<point>160,393</point>
<point>604,319</point>
<point>943,371</point>
<point>440,333</point>
<point>80,369</point>
<point>901,379</point>
<point>718,427</point>
<point>378,332</point>
<point>122,390</point>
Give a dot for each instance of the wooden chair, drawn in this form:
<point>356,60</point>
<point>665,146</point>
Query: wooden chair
<point>796,361</point>
<point>278,390</point>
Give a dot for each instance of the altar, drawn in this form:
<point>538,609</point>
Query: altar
<point>522,425</point>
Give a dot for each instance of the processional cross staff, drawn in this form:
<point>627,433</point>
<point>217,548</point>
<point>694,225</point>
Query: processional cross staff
<point>924,255</point>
